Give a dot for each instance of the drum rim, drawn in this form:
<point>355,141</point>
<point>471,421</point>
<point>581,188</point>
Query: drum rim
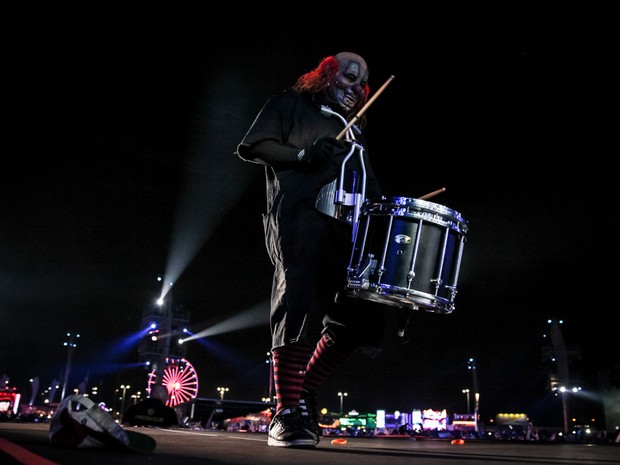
<point>422,209</point>
<point>413,299</point>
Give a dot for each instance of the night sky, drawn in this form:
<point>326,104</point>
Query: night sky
<point>118,141</point>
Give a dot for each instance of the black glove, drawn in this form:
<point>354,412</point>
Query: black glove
<point>323,149</point>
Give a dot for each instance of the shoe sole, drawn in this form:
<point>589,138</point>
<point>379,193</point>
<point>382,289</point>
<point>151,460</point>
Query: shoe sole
<point>307,443</point>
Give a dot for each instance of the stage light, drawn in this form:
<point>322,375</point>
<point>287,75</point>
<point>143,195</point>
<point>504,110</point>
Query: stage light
<point>222,391</point>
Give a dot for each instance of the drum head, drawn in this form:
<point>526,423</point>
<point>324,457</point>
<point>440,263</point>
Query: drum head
<point>417,209</point>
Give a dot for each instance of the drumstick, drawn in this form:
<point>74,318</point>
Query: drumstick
<point>433,194</point>
<point>364,108</point>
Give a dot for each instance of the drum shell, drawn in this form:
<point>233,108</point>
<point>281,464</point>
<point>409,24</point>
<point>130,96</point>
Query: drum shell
<point>407,253</point>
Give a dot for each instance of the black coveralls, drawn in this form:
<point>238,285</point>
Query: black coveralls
<point>309,249</point>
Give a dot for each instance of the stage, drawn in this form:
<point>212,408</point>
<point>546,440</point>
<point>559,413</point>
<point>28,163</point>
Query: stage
<point>27,444</point>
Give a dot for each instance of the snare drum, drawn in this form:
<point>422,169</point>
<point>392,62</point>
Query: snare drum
<point>407,253</point>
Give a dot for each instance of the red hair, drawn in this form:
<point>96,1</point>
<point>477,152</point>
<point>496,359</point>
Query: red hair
<point>319,78</point>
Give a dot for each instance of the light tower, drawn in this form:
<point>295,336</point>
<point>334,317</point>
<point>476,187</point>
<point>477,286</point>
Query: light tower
<point>471,365</point>
<point>559,354</point>
<point>167,324</point>
<point>70,344</point>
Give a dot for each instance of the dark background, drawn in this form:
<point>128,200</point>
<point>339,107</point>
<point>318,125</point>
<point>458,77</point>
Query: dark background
<point>113,126</point>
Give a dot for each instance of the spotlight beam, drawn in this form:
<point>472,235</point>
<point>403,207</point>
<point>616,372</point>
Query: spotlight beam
<point>255,316</point>
<point>210,171</point>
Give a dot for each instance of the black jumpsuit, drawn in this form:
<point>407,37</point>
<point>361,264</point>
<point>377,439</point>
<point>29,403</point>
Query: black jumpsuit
<point>309,249</point>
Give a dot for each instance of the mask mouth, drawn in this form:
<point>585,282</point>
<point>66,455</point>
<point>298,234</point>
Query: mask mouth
<point>349,100</point>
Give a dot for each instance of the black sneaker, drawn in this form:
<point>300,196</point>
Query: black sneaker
<point>286,430</point>
<point>309,413</point>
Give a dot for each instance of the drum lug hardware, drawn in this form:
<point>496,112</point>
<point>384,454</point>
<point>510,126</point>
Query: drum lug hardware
<point>453,292</point>
<point>361,279</point>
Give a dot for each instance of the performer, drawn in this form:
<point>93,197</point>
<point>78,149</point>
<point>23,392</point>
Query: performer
<point>314,325</point>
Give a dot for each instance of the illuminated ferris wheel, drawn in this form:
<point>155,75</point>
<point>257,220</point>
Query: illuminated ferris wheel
<point>179,378</point>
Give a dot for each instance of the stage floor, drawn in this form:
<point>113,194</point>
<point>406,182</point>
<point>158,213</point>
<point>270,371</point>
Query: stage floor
<point>27,443</point>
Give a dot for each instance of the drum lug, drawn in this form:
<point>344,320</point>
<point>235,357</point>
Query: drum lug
<point>359,278</point>
<point>453,291</point>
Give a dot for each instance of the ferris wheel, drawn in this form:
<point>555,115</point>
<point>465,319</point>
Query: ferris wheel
<point>180,380</point>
